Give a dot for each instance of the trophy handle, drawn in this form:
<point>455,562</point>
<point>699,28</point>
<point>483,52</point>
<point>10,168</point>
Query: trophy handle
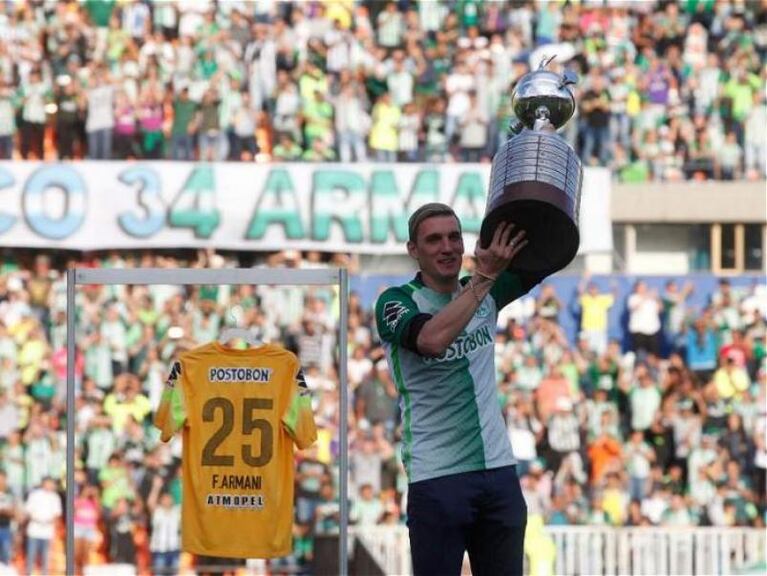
<point>568,78</point>
<point>545,61</point>
<point>515,128</point>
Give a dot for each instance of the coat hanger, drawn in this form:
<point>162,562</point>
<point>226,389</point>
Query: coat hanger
<point>235,332</point>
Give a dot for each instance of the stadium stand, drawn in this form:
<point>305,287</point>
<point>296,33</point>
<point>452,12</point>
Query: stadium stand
<point>627,405</point>
<point>669,90</point>
<point>607,434</point>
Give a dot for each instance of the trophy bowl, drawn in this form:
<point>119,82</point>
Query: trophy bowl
<point>536,177</point>
<point>545,90</point>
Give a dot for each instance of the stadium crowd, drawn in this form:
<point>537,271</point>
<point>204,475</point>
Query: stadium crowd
<point>669,90</point>
<point>604,434</point>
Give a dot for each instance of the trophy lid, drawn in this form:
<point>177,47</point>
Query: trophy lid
<point>544,95</point>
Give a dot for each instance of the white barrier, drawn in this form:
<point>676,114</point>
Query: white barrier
<point>110,570</point>
<point>593,550</point>
<point>388,545</point>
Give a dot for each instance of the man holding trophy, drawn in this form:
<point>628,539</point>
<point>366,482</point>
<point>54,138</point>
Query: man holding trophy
<point>439,334</point>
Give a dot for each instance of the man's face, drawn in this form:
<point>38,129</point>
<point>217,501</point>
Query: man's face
<point>438,247</point>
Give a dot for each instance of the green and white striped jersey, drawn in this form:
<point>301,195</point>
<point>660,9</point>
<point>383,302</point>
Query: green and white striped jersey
<point>451,418</point>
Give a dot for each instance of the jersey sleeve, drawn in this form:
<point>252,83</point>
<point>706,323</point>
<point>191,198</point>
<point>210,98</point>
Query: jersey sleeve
<point>394,311</point>
<point>299,418</point>
<point>171,414</point>
<point>506,289</point>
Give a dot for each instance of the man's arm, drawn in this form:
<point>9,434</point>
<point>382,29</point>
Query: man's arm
<point>437,333</point>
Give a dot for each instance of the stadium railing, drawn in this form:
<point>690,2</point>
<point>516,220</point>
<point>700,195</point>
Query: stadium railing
<point>609,550</point>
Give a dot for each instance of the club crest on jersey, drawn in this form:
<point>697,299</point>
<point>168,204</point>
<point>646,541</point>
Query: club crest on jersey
<point>303,389</point>
<point>483,311</point>
<point>393,312</point>
<point>175,373</point>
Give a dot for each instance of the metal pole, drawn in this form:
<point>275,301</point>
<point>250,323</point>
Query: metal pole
<point>194,276</point>
<point>70,476</point>
<point>343,424</point>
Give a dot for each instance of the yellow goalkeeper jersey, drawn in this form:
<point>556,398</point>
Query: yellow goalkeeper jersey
<point>241,411</point>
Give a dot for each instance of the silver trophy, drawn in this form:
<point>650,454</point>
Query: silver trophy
<point>536,177</point>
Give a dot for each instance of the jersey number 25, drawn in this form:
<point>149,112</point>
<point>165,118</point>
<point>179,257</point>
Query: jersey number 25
<point>249,423</point>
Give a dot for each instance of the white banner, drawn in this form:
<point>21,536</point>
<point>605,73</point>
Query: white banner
<point>330,207</point>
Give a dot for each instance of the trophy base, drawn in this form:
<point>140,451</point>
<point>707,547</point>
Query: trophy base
<point>552,235</point>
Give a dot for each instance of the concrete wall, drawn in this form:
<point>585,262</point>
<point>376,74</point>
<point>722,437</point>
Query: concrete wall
<point>661,250</point>
<point>743,202</point>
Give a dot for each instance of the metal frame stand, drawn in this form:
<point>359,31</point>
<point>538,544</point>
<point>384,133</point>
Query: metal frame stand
<point>236,276</point>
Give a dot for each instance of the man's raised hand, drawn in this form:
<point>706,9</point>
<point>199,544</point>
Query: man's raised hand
<point>494,259</point>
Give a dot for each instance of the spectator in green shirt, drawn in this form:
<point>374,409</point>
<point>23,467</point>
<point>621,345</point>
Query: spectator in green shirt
<point>318,119</point>
<point>183,127</point>
<point>212,142</point>
<point>286,150</point>
<point>115,482</point>
<point>311,80</point>
<point>100,11</point>
<point>319,152</point>
<point>468,11</point>
<point>207,67</point>
<point>738,95</point>
<point>383,133</point>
